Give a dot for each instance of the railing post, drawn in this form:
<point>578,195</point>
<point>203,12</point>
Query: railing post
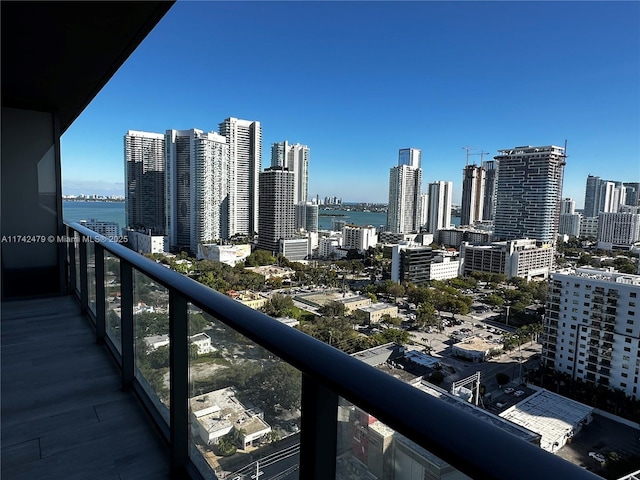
<point>126,323</point>
<point>84,284</point>
<point>319,431</point>
<point>73,268</point>
<point>101,331</point>
<point>179,389</point>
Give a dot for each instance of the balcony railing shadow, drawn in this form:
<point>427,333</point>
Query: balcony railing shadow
<point>331,380</point>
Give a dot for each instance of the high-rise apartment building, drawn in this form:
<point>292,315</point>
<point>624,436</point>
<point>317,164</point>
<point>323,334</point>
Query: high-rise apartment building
<point>411,157</point>
<point>473,185</point>
<point>307,216</point>
<point>605,196</point>
<point>632,194</point>
<point>592,327</point>
<point>424,209</point>
<point>621,229</point>
<point>488,207</point>
<point>440,199</point>
<point>569,224</point>
<point>528,192</point>
<point>405,184</point>
<point>145,180</point>
<point>277,213</point>
<point>198,193</point>
<point>244,138</point>
<point>296,158</point>
<point>359,237</point>
<point>568,205</point>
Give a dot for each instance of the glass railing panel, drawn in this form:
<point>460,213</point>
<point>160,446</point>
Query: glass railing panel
<point>91,277</point>
<point>244,404</point>
<point>112,299</point>
<point>151,340</point>
<point>367,449</point>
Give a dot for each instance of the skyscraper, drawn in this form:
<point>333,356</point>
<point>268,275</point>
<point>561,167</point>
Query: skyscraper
<point>604,196</point>
<point>440,199</point>
<point>405,185</point>
<point>144,177</point>
<point>568,205</point>
<point>244,138</point>
<point>528,193</point>
<point>277,213</point>
<point>488,203</point>
<point>473,185</point>
<point>197,200</point>
<point>296,158</point>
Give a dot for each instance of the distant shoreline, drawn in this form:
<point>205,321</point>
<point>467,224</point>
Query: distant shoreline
<point>87,200</point>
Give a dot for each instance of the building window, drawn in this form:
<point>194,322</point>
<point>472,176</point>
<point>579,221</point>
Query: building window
<point>632,294</point>
<point>627,340</point>
<point>630,322</point>
<point>625,375</point>
<point>629,330</point>
<point>627,349</point>
<point>623,384</point>
<point>586,304</point>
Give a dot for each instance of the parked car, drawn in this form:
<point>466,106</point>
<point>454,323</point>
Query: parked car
<point>509,390</point>
<point>518,393</point>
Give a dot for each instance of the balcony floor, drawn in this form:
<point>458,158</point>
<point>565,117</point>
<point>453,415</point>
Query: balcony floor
<point>64,414</point>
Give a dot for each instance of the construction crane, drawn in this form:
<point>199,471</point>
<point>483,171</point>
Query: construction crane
<point>482,153</point>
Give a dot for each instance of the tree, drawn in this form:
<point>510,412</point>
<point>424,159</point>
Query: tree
<point>281,384</point>
<point>389,320</point>
<point>332,309</point>
<point>259,258</point>
<point>395,290</point>
<point>502,378</point>
<point>280,306</point>
<point>392,335</point>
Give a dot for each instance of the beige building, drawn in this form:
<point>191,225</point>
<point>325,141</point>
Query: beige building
<point>252,299</point>
<point>354,303</point>
<point>376,311</point>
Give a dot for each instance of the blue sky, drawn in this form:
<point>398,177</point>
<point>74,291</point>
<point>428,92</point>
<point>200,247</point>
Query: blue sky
<point>356,81</point>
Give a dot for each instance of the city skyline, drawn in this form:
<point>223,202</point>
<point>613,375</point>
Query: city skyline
<point>356,97</point>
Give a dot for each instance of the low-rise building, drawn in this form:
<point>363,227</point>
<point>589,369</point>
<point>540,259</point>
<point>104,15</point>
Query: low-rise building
<point>295,249</point>
<point>215,414</point>
<point>354,303</point>
<point>410,263</point>
<point>146,242</point>
<point>203,342</point>
<point>376,311</point>
<point>108,229</point>
<point>444,266</point>
<point>251,299</point>
<point>514,258</point>
<point>474,348</point>
<point>228,254</point>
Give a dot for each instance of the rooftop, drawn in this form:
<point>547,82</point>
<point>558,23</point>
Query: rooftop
<point>550,415</point>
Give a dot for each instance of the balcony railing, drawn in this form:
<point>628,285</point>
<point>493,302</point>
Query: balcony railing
<point>331,379</point>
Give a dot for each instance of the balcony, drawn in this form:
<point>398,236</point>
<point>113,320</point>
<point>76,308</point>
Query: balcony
<point>89,393</point>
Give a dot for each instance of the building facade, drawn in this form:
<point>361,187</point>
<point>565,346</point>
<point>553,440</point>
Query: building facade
<point>440,200</point>
<point>145,181</point>
<point>197,203</point>
<point>277,213</point>
<point>296,158</point>
<point>307,216</point>
<point>244,138</point>
<point>592,327</point>
<point>523,258</point>
<point>488,208</point>
<point>405,184</point>
<point>528,193</point>
<point>605,196</point>
<point>569,224</point>
<point>473,186</point>
<point>359,238</point>
<point>411,264</point>
<point>619,230</point>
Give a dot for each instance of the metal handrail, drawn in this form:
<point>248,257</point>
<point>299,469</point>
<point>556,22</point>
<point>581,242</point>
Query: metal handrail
<point>473,446</point>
